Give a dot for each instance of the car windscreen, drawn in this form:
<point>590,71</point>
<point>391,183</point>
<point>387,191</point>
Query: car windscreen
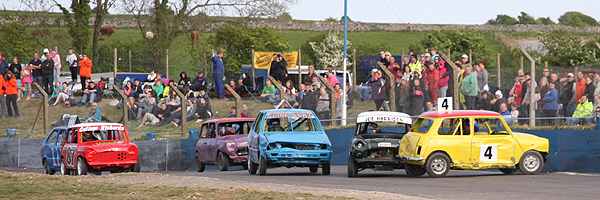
<point>99,135</point>
<point>234,128</point>
<point>382,128</point>
<point>422,125</point>
<point>298,124</point>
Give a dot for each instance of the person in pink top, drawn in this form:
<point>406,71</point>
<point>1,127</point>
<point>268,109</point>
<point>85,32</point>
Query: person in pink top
<point>443,82</point>
<point>332,78</point>
<point>57,65</point>
<point>26,79</point>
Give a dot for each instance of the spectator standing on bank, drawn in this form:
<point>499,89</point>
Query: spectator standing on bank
<point>567,96</point>
<point>309,77</point>
<point>72,62</point>
<point>15,68</point>
<point>414,63</point>
<point>85,68</point>
<point>402,95</point>
<point>48,68</point>
<point>416,98</point>
<point>589,88</point>
<point>3,65</point>
<point>482,78</point>
<point>383,59</point>
<point>469,88</point>
<point>57,65</point>
<point>37,72</point>
<point>26,78</point>
<point>218,72</point>
<point>308,102</point>
<point>393,67</point>
<point>332,78</point>
<point>443,82</point>
<point>11,94</point>
<point>279,68</point>
<point>2,100</point>
<point>433,82</point>
<point>550,105</point>
<point>377,89</point>
<point>515,92</point>
<point>323,111</point>
<point>597,84</point>
<point>246,112</point>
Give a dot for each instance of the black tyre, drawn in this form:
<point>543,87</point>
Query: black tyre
<point>63,168</point>
<point>508,171</point>
<point>314,169</point>
<point>326,169</point>
<point>252,167</point>
<point>245,165</point>
<point>223,161</point>
<point>352,167</point>
<point>414,170</point>
<point>82,166</point>
<point>135,167</point>
<point>531,162</point>
<point>47,169</point>
<point>262,166</point>
<point>437,165</point>
<point>199,165</point>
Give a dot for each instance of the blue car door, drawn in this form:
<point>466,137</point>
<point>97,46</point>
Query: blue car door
<point>56,148</point>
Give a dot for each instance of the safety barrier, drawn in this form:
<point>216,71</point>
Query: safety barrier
<point>570,150</point>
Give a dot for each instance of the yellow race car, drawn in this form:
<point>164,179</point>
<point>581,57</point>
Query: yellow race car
<point>469,139</point>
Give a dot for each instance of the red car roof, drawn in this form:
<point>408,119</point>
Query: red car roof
<point>460,113</point>
<point>222,120</point>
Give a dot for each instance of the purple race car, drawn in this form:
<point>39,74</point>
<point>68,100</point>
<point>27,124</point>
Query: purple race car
<point>223,142</point>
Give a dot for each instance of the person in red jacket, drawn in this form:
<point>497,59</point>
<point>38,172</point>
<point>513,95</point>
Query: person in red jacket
<point>433,79</point>
<point>2,97</point>
<point>11,94</point>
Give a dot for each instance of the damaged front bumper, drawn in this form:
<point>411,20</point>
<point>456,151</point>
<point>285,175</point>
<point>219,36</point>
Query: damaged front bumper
<point>294,156</point>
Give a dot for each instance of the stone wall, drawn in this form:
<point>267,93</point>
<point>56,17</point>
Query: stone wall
<point>326,26</point>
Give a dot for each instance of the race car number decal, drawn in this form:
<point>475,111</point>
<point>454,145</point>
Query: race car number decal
<point>488,153</point>
<point>71,156</point>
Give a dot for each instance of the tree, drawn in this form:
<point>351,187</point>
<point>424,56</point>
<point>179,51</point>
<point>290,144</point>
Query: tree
<point>330,53</point>
<point>15,41</point>
<point>459,41</point>
<point>78,22</point>
<point>238,43</point>
<point>102,7</point>
<point>566,49</point>
<point>545,21</point>
<point>577,19</point>
<point>525,18</point>
<point>284,17</point>
<point>502,20</point>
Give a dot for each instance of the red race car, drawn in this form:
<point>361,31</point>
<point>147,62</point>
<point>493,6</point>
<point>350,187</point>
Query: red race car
<point>95,147</point>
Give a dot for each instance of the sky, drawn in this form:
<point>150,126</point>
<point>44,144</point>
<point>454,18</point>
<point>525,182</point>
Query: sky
<point>416,12</point>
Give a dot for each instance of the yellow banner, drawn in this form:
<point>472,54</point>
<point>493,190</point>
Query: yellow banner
<point>262,60</point>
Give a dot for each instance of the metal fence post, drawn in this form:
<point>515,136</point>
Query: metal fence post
<point>392,83</point>
<point>238,100</point>
<point>125,104</point>
<point>332,101</point>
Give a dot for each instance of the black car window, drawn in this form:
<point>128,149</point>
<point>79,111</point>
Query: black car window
<point>52,137</point>
<point>60,137</point>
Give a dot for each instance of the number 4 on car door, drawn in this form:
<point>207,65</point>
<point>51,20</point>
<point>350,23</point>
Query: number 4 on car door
<point>488,153</point>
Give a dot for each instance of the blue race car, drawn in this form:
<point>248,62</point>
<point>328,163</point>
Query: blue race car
<point>51,150</point>
<point>288,138</point>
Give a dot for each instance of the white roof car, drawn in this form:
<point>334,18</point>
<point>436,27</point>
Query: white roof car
<point>383,116</point>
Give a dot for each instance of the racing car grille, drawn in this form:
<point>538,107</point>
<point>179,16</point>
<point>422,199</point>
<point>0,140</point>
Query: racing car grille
<point>306,147</point>
<point>242,152</point>
<point>122,156</point>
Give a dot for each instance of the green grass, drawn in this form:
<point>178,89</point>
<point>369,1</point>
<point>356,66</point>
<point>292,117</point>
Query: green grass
<point>39,186</point>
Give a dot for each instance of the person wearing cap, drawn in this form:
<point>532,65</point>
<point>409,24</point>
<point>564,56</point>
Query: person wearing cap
<point>199,82</point>
<point>414,63</point>
<point>72,62</point>
<point>464,59</point>
<point>218,73</point>
<point>44,57</point>
<point>57,65</point>
<point>550,103</point>
<point>567,96</point>
<point>499,99</point>
<point>426,58</point>
<point>3,65</point>
<point>469,88</point>
<point>48,67</point>
<point>85,68</point>
<point>15,68</point>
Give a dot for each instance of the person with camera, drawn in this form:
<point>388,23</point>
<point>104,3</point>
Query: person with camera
<point>278,68</point>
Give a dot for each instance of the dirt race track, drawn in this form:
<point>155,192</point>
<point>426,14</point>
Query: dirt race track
<point>466,184</point>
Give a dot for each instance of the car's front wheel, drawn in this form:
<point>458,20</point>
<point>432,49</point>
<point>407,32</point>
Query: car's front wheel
<point>414,170</point>
<point>82,166</point>
<point>252,167</point>
<point>508,171</point>
<point>199,165</point>
<point>47,169</point>
<point>531,163</point>
<point>223,161</point>
<point>437,165</point>
<point>352,167</point>
<point>63,168</point>
<point>262,166</point>
<point>326,169</point>
<point>245,165</point>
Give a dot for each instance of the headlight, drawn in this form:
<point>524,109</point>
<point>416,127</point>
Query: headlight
<point>324,146</point>
<point>275,145</point>
<point>360,144</point>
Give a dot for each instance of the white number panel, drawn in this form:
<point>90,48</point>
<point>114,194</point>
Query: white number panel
<point>488,153</point>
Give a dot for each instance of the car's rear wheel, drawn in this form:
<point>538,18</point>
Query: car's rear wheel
<point>437,165</point>
<point>223,161</point>
<point>252,167</point>
<point>199,165</point>
<point>262,166</point>
<point>47,169</point>
<point>314,169</point>
<point>245,165</point>
<point>82,166</point>
<point>63,168</point>
<point>508,171</point>
<point>531,163</point>
<point>326,169</point>
<point>414,170</point>
<point>135,167</point>
<point>352,167</point>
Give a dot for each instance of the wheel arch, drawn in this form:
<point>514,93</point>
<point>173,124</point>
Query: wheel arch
<point>439,151</point>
